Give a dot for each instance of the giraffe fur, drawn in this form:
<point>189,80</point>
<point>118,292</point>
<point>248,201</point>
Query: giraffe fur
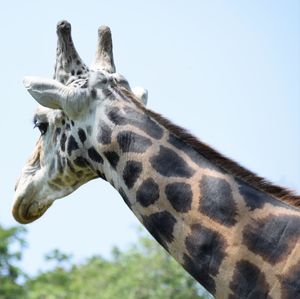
<point>235,233</point>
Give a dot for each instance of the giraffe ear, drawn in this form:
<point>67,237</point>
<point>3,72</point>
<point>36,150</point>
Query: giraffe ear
<point>46,92</point>
<point>141,93</point>
<point>52,94</point>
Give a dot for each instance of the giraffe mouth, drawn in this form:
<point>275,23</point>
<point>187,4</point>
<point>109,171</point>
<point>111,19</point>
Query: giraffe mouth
<point>26,213</point>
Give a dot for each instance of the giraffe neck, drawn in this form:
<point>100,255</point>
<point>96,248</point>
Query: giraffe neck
<point>236,240</point>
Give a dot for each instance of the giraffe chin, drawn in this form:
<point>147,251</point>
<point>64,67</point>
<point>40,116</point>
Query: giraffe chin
<point>27,213</point>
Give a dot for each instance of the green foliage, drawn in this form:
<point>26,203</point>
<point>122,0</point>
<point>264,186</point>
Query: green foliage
<point>144,271</point>
<point>11,246</point>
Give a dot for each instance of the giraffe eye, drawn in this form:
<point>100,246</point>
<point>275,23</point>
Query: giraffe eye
<point>42,126</point>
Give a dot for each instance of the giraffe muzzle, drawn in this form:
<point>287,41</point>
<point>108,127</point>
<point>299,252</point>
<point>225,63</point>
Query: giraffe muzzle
<point>25,212</point>
<point>29,204</point>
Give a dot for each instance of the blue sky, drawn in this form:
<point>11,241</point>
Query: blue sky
<point>228,71</point>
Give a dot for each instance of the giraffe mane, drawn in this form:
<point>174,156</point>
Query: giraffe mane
<point>230,166</point>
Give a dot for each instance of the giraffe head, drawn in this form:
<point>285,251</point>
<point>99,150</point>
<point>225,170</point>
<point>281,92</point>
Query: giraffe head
<point>71,106</point>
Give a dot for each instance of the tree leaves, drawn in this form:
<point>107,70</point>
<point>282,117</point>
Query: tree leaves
<point>144,271</point>
<point>11,245</point>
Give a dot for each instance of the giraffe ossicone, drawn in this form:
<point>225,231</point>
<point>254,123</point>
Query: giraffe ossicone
<point>237,234</point>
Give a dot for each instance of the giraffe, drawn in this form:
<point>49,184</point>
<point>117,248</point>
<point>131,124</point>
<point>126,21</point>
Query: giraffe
<point>237,234</point>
